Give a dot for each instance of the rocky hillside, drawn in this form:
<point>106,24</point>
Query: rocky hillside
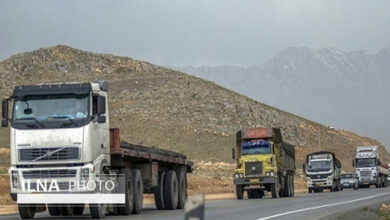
<point>160,107</point>
<point>327,85</point>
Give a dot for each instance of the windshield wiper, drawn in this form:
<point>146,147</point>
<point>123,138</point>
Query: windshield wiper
<point>32,119</point>
<point>63,117</point>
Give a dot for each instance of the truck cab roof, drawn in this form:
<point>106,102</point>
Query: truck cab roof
<point>60,88</point>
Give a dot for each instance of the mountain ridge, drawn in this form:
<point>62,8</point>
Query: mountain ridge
<point>329,82</point>
<point>159,107</point>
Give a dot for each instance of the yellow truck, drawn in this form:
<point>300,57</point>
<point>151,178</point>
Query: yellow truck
<point>264,163</point>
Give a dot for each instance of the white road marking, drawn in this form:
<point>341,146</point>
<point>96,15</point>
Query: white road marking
<point>321,206</point>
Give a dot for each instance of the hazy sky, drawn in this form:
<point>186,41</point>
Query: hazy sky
<point>197,32</point>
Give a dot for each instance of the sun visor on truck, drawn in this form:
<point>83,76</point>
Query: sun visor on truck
<point>77,89</point>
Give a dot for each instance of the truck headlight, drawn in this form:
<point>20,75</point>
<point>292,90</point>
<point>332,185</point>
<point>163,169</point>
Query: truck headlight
<point>267,174</point>
<point>15,179</point>
<point>271,173</point>
<point>241,176</point>
<point>84,174</point>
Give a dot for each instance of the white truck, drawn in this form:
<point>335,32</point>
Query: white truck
<point>60,133</point>
<point>322,172</point>
<point>368,167</point>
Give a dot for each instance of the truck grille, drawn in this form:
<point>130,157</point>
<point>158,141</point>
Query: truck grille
<point>253,169</point>
<point>49,154</point>
<point>318,176</point>
<point>42,174</point>
<point>365,174</point>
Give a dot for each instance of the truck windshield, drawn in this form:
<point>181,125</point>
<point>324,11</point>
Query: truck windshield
<point>369,162</point>
<point>67,108</point>
<point>259,147</point>
<point>319,166</point>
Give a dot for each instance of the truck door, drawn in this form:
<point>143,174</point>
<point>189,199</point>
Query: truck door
<point>100,125</point>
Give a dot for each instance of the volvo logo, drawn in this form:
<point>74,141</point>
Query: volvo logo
<point>253,168</point>
<point>319,176</point>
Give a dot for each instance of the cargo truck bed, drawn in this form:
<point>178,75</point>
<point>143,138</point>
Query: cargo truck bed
<point>138,152</point>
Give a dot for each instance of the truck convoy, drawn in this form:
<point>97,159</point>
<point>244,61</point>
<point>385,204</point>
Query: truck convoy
<point>322,172</point>
<point>264,163</point>
<point>61,132</point>
<point>368,167</point>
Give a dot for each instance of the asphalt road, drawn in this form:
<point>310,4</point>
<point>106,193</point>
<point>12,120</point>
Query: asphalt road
<point>302,206</point>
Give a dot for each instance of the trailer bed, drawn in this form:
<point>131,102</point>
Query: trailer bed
<point>138,152</point>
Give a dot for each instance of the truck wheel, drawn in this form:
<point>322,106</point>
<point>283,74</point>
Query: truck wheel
<point>53,210</point>
<point>260,193</point>
<point>171,190</point>
<point>292,185</point>
<point>290,189</point>
<point>182,190</point>
<point>78,209</point>
<point>26,211</point>
<point>250,194</point>
<point>239,192</point>
<point>274,192</point>
<point>126,187</point>
<point>138,191</point>
<point>283,186</point>
<point>158,192</point>
<point>338,186</point>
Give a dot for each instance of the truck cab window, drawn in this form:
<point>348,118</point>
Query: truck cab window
<point>94,105</point>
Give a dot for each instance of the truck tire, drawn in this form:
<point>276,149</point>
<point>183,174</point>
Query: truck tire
<point>239,192</point>
<point>250,193</point>
<point>138,191</point>
<point>78,209</point>
<point>158,192</point>
<point>290,187</point>
<point>338,189</point>
<point>26,211</point>
<point>283,186</point>
<point>182,189</point>
<point>171,190</point>
<point>53,210</point>
<point>126,187</point>
<point>260,193</point>
<point>274,189</point>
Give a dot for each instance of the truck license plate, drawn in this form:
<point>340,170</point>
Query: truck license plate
<point>366,183</point>
<point>253,180</point>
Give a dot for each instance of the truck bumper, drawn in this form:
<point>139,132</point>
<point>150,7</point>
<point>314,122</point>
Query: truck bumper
<point>65,177</point>
<point>319,184</point>
<point>367,182</point>
<point>254,181</point>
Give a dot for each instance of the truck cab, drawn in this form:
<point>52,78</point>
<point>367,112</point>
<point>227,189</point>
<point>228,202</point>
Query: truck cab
<point>55,127</point>
<point>322,172</point>
<point>263,164</point>
<point>368,167</point>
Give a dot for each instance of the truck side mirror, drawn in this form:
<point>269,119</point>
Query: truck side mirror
<point>304,167</point>
<point>101,102</point>
<point>4,122</point>
<point>4,108</point>
<point>4,113</point>
<point>353,163</point>
<point>233,153</point>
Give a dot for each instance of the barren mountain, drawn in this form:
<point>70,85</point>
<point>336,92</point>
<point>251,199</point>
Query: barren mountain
<point>160,107</point>
<point>342,89</point>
